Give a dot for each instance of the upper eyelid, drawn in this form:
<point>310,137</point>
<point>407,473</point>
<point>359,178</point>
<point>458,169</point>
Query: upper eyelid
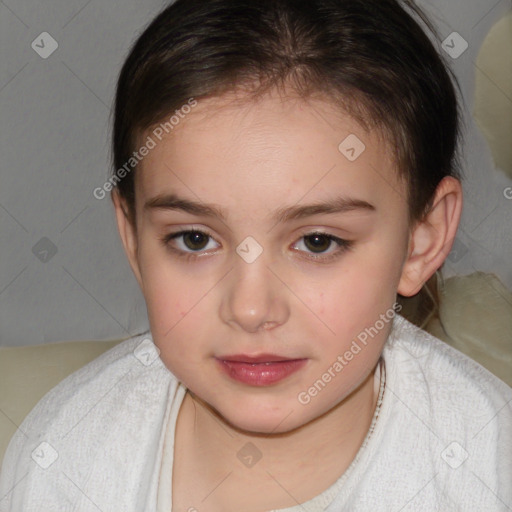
<point>204,231</point>
<point>341,242</point>
<point>181,232</point>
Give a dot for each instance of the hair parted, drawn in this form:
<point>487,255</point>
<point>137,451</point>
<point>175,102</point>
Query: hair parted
<point>371,58</point>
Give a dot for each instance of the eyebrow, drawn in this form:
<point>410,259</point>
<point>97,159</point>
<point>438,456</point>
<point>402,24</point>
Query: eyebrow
<point>331,206</point>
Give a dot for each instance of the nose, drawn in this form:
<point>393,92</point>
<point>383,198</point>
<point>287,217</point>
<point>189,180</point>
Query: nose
<point>254,299</point>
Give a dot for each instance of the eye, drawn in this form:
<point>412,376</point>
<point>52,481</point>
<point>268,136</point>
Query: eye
<point>319,244</point>
<point>191,241</point>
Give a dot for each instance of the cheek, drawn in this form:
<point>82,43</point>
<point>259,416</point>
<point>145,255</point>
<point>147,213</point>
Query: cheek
<point>177,325</point>
<point>352,297</point>
<point>177,311</point>
<point>165,303</point>
<point>169,296</point>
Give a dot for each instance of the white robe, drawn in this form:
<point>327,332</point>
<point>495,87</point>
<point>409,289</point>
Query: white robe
<point>442,439</point>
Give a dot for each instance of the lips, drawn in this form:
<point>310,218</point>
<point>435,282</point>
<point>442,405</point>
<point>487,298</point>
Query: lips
<point>260,370</point>
<point>261,358</point>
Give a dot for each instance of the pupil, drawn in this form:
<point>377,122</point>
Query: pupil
<point>195,240</point>
<point>317,243</point>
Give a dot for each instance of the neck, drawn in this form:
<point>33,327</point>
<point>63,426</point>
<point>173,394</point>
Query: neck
<point>292,458</point>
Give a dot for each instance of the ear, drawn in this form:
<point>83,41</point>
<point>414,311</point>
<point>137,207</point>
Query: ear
<point>128,233</point>
<point>432,238</point>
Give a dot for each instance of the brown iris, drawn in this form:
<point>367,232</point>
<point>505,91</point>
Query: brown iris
<point>195,240</point>
<point>317,242</point>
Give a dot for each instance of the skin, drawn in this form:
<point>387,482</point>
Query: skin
<point>251,159</point>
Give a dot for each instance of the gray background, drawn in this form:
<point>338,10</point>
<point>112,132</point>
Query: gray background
<point>55,115</point>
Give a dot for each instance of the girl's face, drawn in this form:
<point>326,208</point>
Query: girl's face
<point>268,229</point>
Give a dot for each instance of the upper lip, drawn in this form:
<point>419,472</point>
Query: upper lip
<point>261,358</point>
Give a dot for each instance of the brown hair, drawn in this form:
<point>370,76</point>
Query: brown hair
<point>370,57</point>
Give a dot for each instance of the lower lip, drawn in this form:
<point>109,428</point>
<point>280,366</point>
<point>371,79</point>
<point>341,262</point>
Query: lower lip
<point>261,374</point>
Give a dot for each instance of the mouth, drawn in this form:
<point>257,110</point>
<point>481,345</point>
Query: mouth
<point>261,370</point>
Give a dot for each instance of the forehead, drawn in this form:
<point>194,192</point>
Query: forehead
<point>276,149</point>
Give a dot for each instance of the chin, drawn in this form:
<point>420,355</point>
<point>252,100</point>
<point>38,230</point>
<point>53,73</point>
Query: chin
<point>253,421</point>
<point>264,426</point>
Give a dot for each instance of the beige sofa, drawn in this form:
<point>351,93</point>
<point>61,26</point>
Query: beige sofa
<point>475,316</point>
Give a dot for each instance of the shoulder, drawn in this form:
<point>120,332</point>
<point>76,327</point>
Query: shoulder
<point>448,411</point>
<point>415,356</point>
<point>443,439</point>
<point>131,363</point>
<point>445,385</point>
<point>121,394</point>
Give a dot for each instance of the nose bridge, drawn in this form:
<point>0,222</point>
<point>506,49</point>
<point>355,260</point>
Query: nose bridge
<point>254,298</point>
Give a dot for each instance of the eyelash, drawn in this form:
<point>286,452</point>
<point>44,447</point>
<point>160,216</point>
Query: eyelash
<point>343,245</point>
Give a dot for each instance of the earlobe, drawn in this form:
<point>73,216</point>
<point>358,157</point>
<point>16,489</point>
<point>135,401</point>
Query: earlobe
<point>432,238</point>
<point>128,234</point>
